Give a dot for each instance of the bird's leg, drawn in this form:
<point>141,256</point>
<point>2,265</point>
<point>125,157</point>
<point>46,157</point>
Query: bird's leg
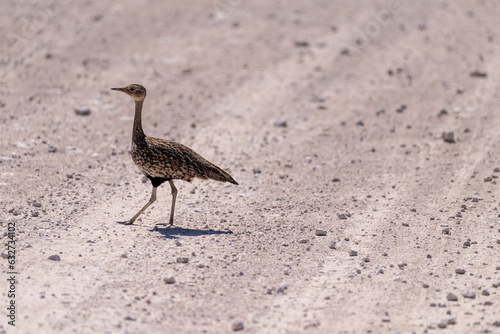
<point>151,201</point>
<point>174,196</point>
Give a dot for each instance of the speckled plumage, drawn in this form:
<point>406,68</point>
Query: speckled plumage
<point>160,158</point>
<point>165,160</point>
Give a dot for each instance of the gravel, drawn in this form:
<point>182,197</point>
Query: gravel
<point>82,111</point>
<point>237,325</point>
<point>469,294</point>
<point>452,297</point>
<point>182,259</point>
<point>169,280</point>
<point>449,136</point>
<point>320,231</point>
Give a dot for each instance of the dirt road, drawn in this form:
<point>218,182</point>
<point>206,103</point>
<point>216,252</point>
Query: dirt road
<point>329,114</point>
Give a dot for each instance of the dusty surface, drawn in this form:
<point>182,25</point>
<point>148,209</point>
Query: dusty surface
<point>362,86</point>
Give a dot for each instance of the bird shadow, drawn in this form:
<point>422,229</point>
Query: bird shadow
<point>174,232</point>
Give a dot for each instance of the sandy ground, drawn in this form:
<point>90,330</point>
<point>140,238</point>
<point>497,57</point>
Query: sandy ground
<point>340,105</point>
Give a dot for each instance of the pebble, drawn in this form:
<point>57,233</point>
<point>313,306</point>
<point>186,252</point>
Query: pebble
<point>496,323</point>
<point>237,325</point>
<point>452,297</point>
<point>469,294</point>
<point>353,253</point>
<point>124,256</point>
<point>451,320</point>
<point>55,257</point>
<point>478,74</point>
<point>448,136</point>
<point>82,111</point>
<point>488,179</point>
<point>442,324</point>
<point>52,149</point>
<point>386,318</point>
<point>485,292</point>
<point>35,214</point>
<point>341,215</point>
<point>302,241</point>
<point>406,224</point>
<point>169,280</point>
<point>37,204</point>
<point>425,285</point>
<point>320,231</point>
<point>335,179</point>
<point>333,245</point>
<point>5,254</point>
<point>366,259</point>
<point>182,259</point>
<point>282,288</point>
<point>496,169</point>
<point>281,123</point>
<point>256,170</point>
<point>460,271</point>
<point>497,267</point>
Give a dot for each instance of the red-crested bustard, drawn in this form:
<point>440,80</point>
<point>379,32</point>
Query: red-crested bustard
<point>165,160</point>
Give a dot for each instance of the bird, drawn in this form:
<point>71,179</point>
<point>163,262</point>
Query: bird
<point>162,160</point>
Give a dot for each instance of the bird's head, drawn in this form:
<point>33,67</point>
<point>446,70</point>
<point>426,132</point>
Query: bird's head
<point>137,92</point>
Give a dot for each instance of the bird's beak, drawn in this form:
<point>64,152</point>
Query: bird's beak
<point>119,89</point>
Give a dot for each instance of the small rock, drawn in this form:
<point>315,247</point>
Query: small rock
<point>406,224</point>
<point>341,215</point>
<point>169,280</point>
<point>282,288</point>
<point>124,255</point>
<point>35,214</point>
<point>494,176</point>
<point>429,256</point>
<point>442,112</point>
<point>478,74</point>
<point>386,318</point>
<point>485,292</point>
<point>178,243</point>
<point>488,179</point>
<point>52,149</point>
<point>469,294</point>
<point>449,136</point>
<point>182,259</point>
<point>496,169</point>
<point>333,245</point>
<point>496,323</point>
<point>5,254</point>
<point>335,179</point>
<point>425,285</point>
<point>451,320</point>
<point>82,111</point>
<point>353,253</point>
<point>302,241</point>
<point>460,271</point>
<point>442,324</point>
<point>451,297</point>
<point>37,204</point>
<point>281,123</point>
<point>237,325</point>
<point>401,109</point>
<point>256,170</point>
<point>366,259</point>
<point>55,257</point>
<point>320,231</point>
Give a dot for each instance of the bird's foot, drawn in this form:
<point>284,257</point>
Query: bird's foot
<point>127,222</point>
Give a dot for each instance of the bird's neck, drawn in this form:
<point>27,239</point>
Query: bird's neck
<point>138,133</point>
